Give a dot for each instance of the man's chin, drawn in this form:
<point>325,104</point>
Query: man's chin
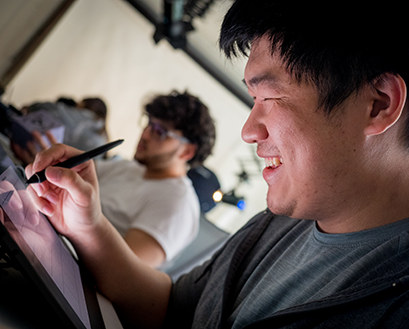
<point>139,160</point>
<point>287,209</point>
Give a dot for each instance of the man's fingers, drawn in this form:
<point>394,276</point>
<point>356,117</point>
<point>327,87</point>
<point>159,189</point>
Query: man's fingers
<point>38,138</point>
<point>51,137</point>
<point>71,181</point>
<point>56,153</point>
<point>31,149</point>
<point>41,204</point>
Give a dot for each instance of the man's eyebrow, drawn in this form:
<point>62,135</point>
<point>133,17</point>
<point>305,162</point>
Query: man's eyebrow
<point>268,78</point>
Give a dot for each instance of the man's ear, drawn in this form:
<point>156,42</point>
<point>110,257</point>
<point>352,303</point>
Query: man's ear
<point>189,151</point>
<point>387,107</point>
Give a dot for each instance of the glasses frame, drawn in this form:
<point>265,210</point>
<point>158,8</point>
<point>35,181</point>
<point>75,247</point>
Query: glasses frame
<point>162,132</point>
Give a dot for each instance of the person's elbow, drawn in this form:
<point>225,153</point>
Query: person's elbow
<point>145,247</point>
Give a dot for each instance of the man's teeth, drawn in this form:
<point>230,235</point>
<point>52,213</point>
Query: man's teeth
<point>273,162</point>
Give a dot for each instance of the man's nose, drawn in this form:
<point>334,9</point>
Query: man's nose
<point>254,128</point>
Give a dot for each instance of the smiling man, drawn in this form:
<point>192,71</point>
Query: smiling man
<point>330,118</point>
<point>310,155</point>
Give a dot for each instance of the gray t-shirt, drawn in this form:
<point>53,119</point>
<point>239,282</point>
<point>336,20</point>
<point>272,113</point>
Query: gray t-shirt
<point>290,263</point>
<point>313,266</point>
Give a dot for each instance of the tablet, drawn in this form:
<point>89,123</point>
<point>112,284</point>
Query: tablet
<point>40,254</point>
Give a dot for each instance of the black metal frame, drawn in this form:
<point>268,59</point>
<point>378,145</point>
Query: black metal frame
<point>181,41</point>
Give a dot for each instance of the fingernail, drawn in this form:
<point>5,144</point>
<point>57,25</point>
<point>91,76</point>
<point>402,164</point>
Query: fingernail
<point>48,211</point>
<point>36,164</point>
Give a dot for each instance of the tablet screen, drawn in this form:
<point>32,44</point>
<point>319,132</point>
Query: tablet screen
<point>41,254</point>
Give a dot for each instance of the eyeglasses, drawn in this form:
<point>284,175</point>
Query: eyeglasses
<point>161,132</point>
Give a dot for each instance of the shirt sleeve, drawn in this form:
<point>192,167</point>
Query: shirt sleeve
<point>185,296</point>
<point>171,217</point>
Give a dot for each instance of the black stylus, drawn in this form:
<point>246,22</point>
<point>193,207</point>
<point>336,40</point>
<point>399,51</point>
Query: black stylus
<point>39,177</point>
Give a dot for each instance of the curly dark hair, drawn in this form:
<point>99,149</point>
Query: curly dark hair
<point>188,114</point>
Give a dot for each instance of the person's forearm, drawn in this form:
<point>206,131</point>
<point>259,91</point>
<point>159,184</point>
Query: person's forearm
<point>139,293</point>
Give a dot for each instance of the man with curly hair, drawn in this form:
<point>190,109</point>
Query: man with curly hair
<point>151,201</point>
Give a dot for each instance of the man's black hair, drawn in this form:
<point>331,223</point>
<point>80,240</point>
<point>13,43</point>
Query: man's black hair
<point>186,113</point>
<point>339,46</point>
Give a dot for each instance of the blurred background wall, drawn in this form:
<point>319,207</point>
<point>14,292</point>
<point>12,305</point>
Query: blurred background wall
<point>105,48</point>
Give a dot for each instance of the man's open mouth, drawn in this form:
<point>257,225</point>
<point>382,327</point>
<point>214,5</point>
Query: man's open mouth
<point>273,162</point>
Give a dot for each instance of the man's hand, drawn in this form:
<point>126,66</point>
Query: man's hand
<point>69,197</point>
<point>27,155</point>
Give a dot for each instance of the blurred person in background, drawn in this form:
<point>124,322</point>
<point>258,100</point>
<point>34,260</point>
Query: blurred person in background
<point>150,200</point>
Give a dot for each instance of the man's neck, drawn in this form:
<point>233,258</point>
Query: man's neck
<point>384,205</point>
<point>162,173</point>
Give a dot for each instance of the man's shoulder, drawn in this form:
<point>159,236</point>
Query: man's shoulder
<point>118,164</point>
<point>173,188</point>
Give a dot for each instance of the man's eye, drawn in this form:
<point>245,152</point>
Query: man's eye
<point>271,99</point>
<point>157,130</point>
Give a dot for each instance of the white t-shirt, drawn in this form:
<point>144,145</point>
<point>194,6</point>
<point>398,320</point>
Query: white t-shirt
<point>166,209</point>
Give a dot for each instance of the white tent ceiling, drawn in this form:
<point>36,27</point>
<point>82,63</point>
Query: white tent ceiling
<point>105,48</point>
